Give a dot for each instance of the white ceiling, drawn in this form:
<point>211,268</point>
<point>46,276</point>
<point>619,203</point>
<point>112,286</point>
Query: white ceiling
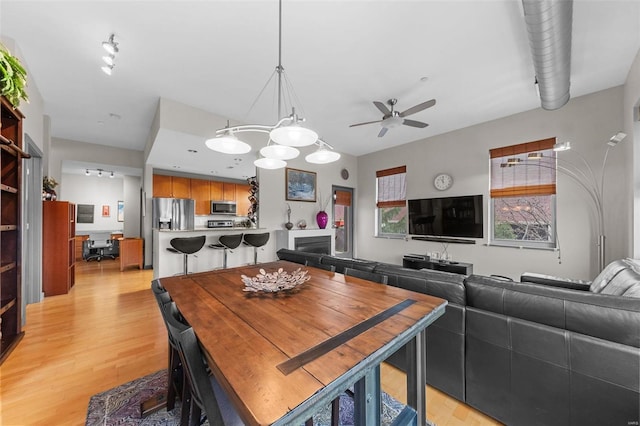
<point>339,56</point>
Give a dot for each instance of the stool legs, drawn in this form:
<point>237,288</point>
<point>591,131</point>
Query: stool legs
<point>224,258</point>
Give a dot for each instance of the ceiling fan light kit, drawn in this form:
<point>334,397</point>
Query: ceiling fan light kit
<point>286,133</point>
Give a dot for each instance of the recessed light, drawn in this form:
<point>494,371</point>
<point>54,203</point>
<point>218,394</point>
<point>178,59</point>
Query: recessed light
<point>229,167</point>
<point>192,151</point>
<point>176,167</point>
<point>237,160</point>
<point>423,79</point>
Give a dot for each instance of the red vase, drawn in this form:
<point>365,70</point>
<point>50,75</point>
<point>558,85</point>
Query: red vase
<point>322,218</point>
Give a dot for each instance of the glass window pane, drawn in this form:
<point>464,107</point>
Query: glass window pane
<point>523,219</point>
<point>392,220</point>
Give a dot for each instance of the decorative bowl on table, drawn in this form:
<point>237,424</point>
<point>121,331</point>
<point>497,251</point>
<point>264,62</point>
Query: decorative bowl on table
<point>274,282</point>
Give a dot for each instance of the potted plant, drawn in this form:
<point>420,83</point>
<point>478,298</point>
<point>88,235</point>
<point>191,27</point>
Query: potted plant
<point>13,78</point>
<point>48,191</point>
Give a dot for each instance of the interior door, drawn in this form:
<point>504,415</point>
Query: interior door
<point>343,220</point>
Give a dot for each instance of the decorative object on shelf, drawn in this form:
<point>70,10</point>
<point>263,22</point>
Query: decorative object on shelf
<point>286,134</point>
<point>300,185</point>
<point>275,282</point>
<point>48,189</point>
<point>13,78</point>
<point>322,218</point>
<point>302,224</point>
<point>253,199</point>
<point>288,225</point>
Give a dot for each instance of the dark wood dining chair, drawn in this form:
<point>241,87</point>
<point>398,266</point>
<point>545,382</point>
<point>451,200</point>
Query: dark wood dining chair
<point>365,275</point>
<point>330,268</point>
<point>203,393</point>
<point>175,372</point>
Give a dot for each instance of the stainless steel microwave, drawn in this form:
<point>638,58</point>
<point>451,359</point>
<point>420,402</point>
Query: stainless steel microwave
<point>223,207</point>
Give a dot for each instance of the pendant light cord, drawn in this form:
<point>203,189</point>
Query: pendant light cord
<point>279,68</point>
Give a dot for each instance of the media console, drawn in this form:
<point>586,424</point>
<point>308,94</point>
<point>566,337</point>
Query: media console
<point>417,261</point>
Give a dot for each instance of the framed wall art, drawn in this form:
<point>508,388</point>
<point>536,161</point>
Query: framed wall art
<point>300,185</point>
<point>120,211</point>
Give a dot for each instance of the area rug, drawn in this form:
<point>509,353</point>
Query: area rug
<point>121,406</point>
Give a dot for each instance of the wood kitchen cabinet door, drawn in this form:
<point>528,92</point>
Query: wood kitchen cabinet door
<point>228,191</point>
<point>216,191</point>
<point>162,186</point>
<point>242,199</point>
<point>181,187</point>
<point>201,193</point>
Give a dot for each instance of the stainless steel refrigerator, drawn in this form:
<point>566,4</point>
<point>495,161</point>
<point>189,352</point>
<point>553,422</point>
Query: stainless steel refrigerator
<point>173,213</point>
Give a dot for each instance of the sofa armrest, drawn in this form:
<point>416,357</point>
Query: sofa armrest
<point>530,277</point>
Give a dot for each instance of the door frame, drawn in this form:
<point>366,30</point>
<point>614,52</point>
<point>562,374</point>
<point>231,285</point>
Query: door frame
<point>350,219</point>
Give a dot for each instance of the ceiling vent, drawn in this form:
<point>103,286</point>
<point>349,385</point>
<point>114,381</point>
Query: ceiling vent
<point>549,28</point>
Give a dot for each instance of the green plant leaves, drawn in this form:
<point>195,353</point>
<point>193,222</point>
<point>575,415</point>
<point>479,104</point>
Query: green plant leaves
<point>13,78</point>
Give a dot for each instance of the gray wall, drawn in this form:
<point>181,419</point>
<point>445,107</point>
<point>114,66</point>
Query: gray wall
<point>587,122</point>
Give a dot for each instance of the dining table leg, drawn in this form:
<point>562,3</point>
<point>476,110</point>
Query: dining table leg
<point>367,399</point>
<point>417,376</point>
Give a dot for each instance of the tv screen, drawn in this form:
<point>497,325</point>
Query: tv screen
<point>447,217</point>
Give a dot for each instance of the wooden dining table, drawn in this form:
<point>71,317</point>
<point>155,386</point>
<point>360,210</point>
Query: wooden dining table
<point>281,357</point>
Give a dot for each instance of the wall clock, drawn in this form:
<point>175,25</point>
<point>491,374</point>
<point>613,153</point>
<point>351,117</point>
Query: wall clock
<point>443,181</point>
<point>344,173</point>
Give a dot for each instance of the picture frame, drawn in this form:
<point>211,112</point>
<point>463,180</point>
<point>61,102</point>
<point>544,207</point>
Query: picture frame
<point>120,212</point>
<point>300,185</point>
<point>84,213</point>
<point>105,211</point>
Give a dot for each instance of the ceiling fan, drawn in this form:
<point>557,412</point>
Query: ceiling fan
<point>392,118</point>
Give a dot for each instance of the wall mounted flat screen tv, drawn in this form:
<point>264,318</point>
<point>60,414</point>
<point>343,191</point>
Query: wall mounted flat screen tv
<point>447,217</point>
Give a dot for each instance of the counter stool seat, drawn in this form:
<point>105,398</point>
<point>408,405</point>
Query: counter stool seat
<point>227,243</point>
<point>256,241</point>
<point>186,246</point>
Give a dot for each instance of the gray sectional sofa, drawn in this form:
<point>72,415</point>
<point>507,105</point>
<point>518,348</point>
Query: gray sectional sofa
<point>543,351</point>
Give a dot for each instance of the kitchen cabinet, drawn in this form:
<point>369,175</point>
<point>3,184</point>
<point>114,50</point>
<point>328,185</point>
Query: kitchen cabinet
<point>216,191</point>
<point>242,199</point>
<point>11,155</point>
<point>228,191</point>
<point>201,194</point>
<point>171,186</point>
<point>58,247</point>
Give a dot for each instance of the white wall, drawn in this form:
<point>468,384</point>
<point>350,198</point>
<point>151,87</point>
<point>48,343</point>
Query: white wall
<point>273,205</point>
<point>632,148</point>
<point>104,191</point>
<point>132,206</point>
<point>587,122</point>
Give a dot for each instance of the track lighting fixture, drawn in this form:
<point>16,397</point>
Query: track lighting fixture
<point>100,172</point>
<point>112,49</point>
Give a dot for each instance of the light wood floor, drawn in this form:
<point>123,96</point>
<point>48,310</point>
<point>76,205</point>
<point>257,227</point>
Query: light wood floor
<point>108,331</point>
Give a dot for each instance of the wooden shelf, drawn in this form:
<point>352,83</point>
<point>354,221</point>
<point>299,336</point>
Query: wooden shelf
<point>11,155</point>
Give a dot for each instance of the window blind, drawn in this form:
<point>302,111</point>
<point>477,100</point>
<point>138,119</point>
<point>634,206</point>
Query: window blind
<point>343,198</point>
<point>392,187</point>
<point>526,169</point>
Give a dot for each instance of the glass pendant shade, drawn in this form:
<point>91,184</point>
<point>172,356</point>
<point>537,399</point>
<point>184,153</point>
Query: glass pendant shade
<point>322,156</point>
<point>293,135</point>
<point>228,144</point>
<point>269,163</point>
<point>279,152</point>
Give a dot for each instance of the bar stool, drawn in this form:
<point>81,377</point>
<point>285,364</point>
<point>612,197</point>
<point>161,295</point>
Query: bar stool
<point>255,241</point>
<point>186,246</point>
<point>227,243</point>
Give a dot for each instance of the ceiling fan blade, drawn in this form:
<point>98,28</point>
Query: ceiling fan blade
<point>382,107</point>
<point>414,123</point>
<point>383,131</point>
<point>362,124</point>
<point>418,108</point>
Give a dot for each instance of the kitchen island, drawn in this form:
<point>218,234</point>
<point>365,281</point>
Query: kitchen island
<point>166,263</point>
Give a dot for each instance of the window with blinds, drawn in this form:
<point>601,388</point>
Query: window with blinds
<point>391,201</point>
<point>523,188</point>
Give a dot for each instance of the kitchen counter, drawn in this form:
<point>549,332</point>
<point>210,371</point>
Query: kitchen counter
<point>166,263</point>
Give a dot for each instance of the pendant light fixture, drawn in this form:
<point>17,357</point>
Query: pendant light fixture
<point>288,133</point>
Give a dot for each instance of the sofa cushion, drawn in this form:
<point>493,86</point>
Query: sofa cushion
<point>607,274</point>
<point>633,291</point>
<point>621,282</point>
<point>298,256</point>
